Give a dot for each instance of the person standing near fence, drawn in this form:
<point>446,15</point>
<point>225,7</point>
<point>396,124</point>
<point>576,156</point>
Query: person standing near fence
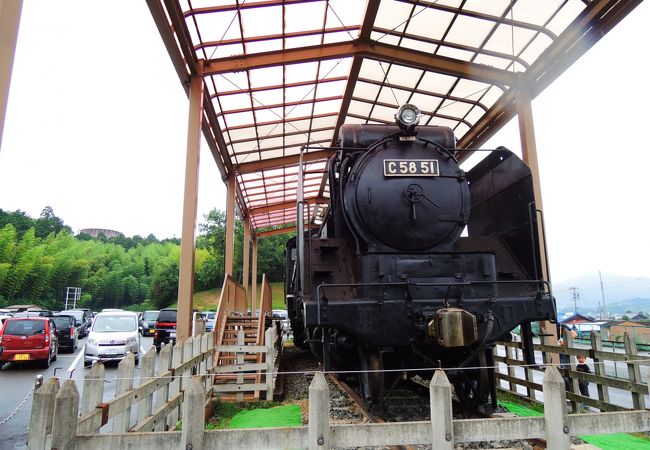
<point>582,367</point>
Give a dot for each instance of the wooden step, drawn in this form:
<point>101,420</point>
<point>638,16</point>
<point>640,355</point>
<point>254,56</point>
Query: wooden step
<point>233,340</point>
<point>232,398</point>
<point>229,360</point>
<point>237,330</point>
<point>241,324</point>
<point>222,378</point>
<point>242,318</point>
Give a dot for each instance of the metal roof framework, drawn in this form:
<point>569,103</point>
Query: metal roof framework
<point>283,74</point>
<point>270,82</point>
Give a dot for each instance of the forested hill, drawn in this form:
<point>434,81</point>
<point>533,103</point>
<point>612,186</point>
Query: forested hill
<point>40,258</point>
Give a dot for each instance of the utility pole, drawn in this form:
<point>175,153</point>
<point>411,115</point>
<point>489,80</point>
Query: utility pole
<point>576,296</point>
<point>602,292</point>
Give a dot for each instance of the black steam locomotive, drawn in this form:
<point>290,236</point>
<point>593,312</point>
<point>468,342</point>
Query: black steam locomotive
<point>417,264</point>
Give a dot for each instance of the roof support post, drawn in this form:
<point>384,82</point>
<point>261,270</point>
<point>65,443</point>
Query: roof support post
<point>246,254</point>
<point>529,155</point>
<point>230,224</point>
<point>9,23</point>
<point>186,270</point>
<point>254,280</point>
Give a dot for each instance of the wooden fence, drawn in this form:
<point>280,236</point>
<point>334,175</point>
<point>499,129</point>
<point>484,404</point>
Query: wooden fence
<point>60,415</point>
<point>442,432</point>
<point>629,380</point>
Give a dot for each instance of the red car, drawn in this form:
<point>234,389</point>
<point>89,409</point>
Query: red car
<point>27,339</point>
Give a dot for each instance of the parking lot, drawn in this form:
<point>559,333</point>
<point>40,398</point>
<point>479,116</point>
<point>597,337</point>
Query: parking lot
<point>17,381</point>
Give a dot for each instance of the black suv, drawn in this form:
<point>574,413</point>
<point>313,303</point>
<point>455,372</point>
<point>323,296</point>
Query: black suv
<point>165,332</point>
<point>68,337</point>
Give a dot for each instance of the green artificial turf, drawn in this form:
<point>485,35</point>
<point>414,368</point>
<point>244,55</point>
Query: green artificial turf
<point>520,410</point>
<point>279,416</point>
<point>616,441</point>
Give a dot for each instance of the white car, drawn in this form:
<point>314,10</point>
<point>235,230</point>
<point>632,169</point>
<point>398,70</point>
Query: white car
<point>112,335</point>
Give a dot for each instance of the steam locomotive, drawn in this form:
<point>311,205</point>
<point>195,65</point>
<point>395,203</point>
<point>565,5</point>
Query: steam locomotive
<point>418,264</point>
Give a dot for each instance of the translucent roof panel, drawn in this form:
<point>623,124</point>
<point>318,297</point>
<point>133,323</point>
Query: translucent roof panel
<point>282,76</point>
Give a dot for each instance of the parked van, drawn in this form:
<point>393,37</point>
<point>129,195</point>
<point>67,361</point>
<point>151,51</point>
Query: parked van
<point>112,335</point>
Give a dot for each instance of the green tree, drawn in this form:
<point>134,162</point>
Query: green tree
<point>48,223</point>
<point>8,236</point>
<point>19,219</point>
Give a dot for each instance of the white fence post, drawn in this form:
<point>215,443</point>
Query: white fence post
<point>441,412</point>
<point>555,411</point>
<point>193,411</point>
<point>241,340</point>
<point>174,386</point>
<point>125,373</point>
<point>92,397</point>
<point>93,393</point>
<point>196,351</point>
<point>633,372</point>
<point>66,410</point>
<point>210,360</point>
<point>147,366</point>
<point>162,396</point>
<point>188,346</point>
<point>319,413</point>
<point>40,424</point>
<point>203,367</point>
<point>599,368</point>
<point>269,341</point>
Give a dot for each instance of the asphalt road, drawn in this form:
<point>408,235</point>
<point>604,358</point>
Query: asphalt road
<point>17,381</point>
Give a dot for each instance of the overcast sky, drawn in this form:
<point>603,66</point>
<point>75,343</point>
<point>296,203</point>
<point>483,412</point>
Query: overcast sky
<point>96,129</point>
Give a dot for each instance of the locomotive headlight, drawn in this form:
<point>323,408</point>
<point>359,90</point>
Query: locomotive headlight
<point>407,117</point>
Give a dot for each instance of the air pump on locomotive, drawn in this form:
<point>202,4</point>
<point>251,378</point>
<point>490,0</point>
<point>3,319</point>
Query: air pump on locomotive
<point>417,264</point>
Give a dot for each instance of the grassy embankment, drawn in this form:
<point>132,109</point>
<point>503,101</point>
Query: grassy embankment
<point>208,300</point>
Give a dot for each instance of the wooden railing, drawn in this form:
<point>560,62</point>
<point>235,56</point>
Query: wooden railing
<point>629,379</point>
<point>232,299</point>
<point>157,398</point>
<point>442,432</point>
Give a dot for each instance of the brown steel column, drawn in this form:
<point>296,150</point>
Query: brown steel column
<point>254,277</point>
<point>529,154</point>
<point>230,224</point>
<point>246,253</point>
<point>9,23</point>
<point>186,271</point>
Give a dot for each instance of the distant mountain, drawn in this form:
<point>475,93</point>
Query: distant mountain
<point>622,293</point>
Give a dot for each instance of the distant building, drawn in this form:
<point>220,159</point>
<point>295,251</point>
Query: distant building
<point>95,232</point>
<point>576,318</point>
<point>638,317</point>
<point>614,331</point>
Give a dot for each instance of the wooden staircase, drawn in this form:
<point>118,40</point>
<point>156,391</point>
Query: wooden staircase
<point>242,356</point>
<point>239,331</point>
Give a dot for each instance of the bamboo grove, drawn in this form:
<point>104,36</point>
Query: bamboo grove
<point>40,258</point>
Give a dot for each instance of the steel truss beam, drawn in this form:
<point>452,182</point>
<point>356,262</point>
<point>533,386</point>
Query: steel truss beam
<point>363,48</point>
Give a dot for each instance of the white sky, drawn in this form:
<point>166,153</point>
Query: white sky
<point>96,128</point>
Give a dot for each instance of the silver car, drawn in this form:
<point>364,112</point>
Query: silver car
<point>112,335</point>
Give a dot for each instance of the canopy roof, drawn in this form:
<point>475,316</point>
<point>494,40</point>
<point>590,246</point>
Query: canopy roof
<point>280,75</point>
